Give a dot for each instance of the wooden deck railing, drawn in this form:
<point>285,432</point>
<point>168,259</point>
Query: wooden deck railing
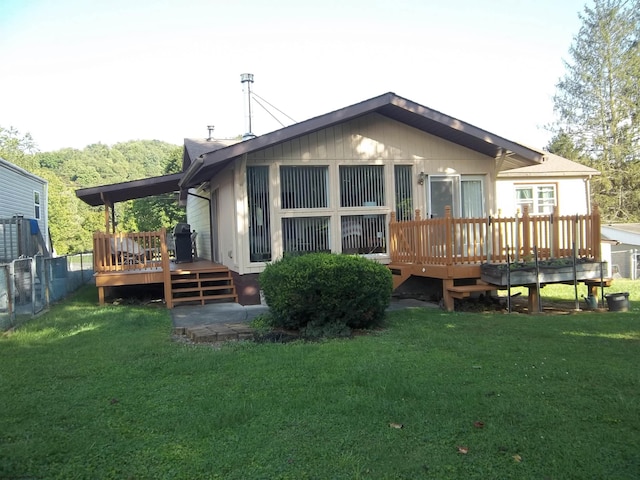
<point>130,252</point>
<point>454,241</point>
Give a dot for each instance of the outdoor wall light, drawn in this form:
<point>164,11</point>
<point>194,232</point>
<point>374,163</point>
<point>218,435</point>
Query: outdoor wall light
<point>421,177</point>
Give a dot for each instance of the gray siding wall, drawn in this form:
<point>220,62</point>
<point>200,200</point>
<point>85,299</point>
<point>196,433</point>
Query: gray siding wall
<point>17,187</point>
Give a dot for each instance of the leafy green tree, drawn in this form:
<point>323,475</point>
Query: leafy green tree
<point>597,103</point>
<point>17,148</point>
<point>161,211</point>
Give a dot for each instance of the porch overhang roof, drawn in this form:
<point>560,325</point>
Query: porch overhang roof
<point>120,192</point>
<point>390,105</point>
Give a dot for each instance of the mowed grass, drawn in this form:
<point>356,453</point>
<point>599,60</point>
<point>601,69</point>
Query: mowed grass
<point>90,392</point>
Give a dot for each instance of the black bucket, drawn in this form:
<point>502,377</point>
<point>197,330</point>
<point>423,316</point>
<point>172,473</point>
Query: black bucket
<point>618,302</point>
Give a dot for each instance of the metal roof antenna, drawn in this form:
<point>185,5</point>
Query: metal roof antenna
<point>247,78</point>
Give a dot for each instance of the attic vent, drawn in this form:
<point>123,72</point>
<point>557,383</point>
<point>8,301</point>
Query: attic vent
<point>210,128</point>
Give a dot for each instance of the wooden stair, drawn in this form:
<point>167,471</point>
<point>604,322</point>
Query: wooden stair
<point>400,273</point>
<point>202,285</point>
<point>464,291</point>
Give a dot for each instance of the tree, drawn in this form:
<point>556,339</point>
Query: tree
<point>597,103</point>
<point>17,148</point>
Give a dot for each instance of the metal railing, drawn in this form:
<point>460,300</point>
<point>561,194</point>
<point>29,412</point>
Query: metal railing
<point>30,285</point>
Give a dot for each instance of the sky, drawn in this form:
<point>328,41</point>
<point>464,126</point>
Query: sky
<point>79,72</point>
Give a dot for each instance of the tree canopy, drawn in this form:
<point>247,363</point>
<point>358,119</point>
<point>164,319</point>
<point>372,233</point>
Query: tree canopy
<point>598,104</point>
<point>71,221</point>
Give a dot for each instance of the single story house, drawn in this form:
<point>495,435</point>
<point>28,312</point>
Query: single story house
<point>23,213</point>
<point>338,182</point>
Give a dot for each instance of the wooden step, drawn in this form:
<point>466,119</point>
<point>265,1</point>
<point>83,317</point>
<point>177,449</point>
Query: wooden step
<point>202,300</point>
<point>202,285</point>
<point>464,291</point>
<point>399,274</point>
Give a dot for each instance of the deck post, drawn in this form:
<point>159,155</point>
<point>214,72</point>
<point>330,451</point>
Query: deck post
<point>447,299</point>
<point>166,269</point>
<point>533,299</point>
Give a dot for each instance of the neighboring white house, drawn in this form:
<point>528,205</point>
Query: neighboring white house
<point>23,213</point>
<point>556,182</point>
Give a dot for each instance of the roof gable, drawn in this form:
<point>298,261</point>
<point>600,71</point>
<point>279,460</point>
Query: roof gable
<point>389,105</point>
<point>552,166</point>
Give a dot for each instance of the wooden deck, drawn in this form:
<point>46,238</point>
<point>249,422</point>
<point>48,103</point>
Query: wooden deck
<point>454,249</point>
<point>142,259</point>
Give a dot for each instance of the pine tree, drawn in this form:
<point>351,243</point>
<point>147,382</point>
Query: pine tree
<point>598,102</point>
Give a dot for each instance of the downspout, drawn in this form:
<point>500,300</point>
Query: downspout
<point>587,182</point>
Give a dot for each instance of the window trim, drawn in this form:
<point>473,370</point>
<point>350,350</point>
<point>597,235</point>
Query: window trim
<point>37,204</point>
<point>535,204</point>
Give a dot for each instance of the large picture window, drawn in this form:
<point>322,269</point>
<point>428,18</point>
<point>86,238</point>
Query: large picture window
<point>539,198</point>
<point>362,186</point>
<point>304,187</point>
<point>364,234</point>
<point>305,234</point>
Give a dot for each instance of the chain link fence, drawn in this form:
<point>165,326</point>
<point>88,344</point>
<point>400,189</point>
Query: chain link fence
<point>29,285</point>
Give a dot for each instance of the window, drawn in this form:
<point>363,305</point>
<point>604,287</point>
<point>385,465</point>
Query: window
<point>404,192</point>
<point>305,234</point>
<point>259,214</point>
<point>539,198</point>
<point>362,186</point>
<point>36,205</point>
<point>304,187</point>
<point>364,234</point>
<point>464,194</point>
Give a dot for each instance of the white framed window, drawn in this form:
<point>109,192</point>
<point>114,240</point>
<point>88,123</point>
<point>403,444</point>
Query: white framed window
<point>306,234</point>
<point>304,187</point>
<point>364,234</point>
<point>362,186</point>
<point>36,205</point>
<point>463,193</point>
<point>539,198</point>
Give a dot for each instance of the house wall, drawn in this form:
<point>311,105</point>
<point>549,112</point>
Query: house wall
<point>369,140</point>
<point>572,194</point>
<point>17,187</point>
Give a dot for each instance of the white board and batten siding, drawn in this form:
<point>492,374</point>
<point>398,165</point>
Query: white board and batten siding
<point>17,192</point>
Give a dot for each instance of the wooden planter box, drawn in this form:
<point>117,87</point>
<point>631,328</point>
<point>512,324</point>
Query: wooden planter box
<point>496,274</point>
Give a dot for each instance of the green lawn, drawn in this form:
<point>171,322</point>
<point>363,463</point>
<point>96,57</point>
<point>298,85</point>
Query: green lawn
<point>90,392</point>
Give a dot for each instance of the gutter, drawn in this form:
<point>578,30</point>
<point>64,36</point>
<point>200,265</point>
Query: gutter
<point>191,171</point>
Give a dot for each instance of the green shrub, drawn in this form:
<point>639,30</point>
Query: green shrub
<point>324,292</point>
